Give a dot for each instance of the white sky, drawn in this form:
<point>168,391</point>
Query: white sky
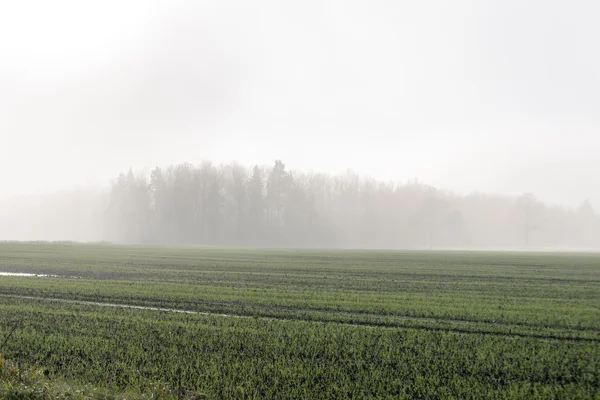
<point>496,96</point>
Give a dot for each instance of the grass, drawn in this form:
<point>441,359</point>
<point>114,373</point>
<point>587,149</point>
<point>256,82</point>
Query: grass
<point>316,324</point>
<point>25,382</point>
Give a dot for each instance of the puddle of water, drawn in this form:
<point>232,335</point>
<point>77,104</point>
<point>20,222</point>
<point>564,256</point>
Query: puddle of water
<point>28,275</point>
<point>132,306</point>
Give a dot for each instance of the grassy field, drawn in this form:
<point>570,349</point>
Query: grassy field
<point>304,324</point>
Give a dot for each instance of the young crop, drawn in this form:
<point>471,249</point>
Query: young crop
<point>306,324</point>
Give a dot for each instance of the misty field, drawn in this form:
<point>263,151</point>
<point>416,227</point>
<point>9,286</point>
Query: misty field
<point>305,324</point>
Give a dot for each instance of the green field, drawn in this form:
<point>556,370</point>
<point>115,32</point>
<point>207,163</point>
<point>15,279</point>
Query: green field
<point>305,324</point>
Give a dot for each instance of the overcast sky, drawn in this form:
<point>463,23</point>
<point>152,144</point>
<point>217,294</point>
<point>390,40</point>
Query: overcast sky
<point>494,96</point>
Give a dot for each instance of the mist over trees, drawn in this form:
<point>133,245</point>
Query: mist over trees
<point>234,205</point>
<point>73,214</point>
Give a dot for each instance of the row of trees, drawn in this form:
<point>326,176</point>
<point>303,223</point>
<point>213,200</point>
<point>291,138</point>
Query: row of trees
<point>233,205</point>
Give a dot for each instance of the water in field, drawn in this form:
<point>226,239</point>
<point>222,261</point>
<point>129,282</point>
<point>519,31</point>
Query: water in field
<point>27,275</point>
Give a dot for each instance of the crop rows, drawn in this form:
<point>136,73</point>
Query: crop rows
<point>261,358</point>
<point>317,324</point>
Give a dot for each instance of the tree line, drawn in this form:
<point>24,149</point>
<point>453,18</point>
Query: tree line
<point>273,206</point>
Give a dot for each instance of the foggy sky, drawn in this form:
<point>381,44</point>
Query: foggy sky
<point>493,96</point>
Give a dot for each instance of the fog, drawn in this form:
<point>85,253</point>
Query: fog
<point>447,112</point>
